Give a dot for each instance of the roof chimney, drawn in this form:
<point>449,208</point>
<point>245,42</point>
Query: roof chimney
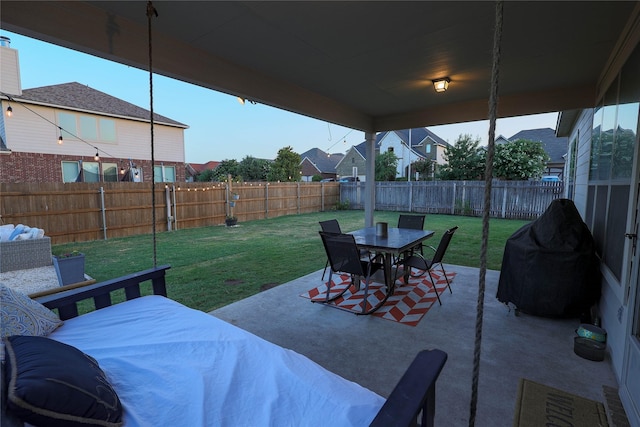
<point>10,68</point>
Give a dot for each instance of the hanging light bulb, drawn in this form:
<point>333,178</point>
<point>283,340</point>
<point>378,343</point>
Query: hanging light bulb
<point>9,111</point>
<point>121,168</point>
<point>60,140</point>
<point>97,156</point>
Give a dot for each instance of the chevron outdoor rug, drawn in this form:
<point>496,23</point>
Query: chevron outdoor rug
<point>408,304</point>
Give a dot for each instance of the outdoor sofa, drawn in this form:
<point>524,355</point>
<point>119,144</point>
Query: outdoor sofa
<point>164,364</point>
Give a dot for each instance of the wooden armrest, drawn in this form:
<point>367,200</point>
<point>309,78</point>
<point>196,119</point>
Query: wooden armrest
<point>62,288</point>
<point>67,301</point>
<point>415,393</point>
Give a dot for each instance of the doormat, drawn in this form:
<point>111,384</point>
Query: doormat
<point>408,304</point>
<point>541,405</point>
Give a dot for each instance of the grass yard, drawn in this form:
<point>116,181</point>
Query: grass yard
<point>215,266</point>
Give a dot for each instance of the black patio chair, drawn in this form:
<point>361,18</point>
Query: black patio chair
<point>413,222</point>
<point>421,265</point>
<point>329,226</point>
<point>344,257</point>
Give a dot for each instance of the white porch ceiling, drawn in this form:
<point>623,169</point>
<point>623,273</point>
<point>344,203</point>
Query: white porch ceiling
<point>366,65</point>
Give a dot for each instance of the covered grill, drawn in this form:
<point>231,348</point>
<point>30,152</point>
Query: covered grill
<point>550,267</point>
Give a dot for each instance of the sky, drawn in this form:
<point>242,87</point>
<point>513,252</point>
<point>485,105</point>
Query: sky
<point>220,128</point>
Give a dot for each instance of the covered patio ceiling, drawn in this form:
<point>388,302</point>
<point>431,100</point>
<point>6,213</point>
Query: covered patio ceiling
<point>366,65</point>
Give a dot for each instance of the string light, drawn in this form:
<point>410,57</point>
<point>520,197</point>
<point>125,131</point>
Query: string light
<point>121,168</point>
<point>97,156</point>
<point>60,140</point>
<point>9,111</point>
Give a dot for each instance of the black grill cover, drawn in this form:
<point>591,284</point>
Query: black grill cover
<point>550,267</point>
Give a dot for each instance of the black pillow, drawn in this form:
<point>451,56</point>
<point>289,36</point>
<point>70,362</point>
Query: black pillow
<point>55,384</point>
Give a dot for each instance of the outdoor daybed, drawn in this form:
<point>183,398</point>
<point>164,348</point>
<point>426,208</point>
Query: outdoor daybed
<point>170,365</point>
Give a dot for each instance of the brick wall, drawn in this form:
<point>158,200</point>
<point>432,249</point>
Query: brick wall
<point>19,167</point>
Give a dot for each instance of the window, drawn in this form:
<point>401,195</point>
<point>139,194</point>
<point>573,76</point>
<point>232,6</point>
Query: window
<point>164,173</point>
<point>427,148</point>
<point>90,172</point>
<point>390,150</point>
<point>67,122</point>
<point>614,137</point>
<point>87,127</point>
<point>70,171</point>
<point>110,172</point>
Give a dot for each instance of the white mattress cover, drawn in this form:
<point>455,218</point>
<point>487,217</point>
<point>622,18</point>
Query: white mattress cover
<point>175,366</point>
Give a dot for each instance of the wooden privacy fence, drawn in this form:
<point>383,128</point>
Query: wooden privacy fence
<point>75,212</point>
<point>509,199</point>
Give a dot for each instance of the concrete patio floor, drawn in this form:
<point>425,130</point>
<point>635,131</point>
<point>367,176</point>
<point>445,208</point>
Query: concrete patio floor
<point>375,352</point>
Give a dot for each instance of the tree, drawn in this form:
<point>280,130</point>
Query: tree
<point>226,167</point>
<point>465,160</point>
<point>386,166</point>
<point>520,160</point>
<point>286,166</point>
<point>424,168</point>
<point>252,169</point>
<point>208,175</point>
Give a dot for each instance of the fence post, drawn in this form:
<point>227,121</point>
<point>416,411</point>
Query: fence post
<point>453,200</point>
<point>410,186</point>
<point>104,215</point>
<point>298,197</point>
<point>175,208</point>
<point>504,201</point>
<point>322,197</point>
<point>167,200</point>
<point>266,200</point>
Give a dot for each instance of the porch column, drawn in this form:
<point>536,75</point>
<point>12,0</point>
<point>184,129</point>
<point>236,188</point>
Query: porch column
<point>370,183</point>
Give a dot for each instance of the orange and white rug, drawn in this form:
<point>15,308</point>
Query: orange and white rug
<point>408,304</point>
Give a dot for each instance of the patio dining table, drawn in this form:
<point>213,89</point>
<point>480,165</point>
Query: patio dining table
<point>396,242</point>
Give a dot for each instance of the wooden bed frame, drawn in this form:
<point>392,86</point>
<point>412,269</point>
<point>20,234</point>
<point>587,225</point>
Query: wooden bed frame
<point>411,403</point>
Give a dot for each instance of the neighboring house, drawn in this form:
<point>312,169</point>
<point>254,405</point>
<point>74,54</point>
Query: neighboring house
<point>603,165</point>
<point>318,162</point>
<point>501,140</point>
<point>556,147</point>
<point>71,132</point>
<point>424,145</point>
<point>353,162</point>
<point>195,169</point>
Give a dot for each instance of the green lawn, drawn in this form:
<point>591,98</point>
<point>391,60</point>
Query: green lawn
<point>215,266</point>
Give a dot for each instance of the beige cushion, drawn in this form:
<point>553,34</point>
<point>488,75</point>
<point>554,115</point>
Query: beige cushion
<point>23,316</point>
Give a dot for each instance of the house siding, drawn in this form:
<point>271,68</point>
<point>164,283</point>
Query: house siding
<point>349,161</point>
<point>392,140</point>
<point>582,132</point>
<point>35,155</point>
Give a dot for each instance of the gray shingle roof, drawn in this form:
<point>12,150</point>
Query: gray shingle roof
<point>76,96</point>
<point>323,161</point>
<point>420,134</point>
<point>556,147</point>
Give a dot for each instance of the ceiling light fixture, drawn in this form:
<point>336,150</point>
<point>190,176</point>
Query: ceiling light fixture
<point>441,85</point>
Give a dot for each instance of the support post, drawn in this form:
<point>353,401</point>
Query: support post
<point>370,183</point>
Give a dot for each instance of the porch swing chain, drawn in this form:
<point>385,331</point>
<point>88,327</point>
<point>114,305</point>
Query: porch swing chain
<point>488,174</point>
<point>151,11</point>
